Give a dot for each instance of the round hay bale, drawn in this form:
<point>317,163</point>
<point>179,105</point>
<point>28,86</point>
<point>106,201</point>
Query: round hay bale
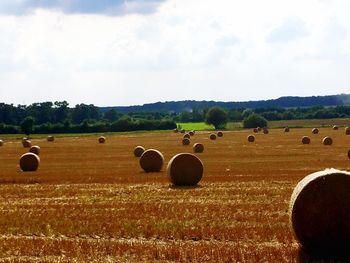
<point>255,130</point>
<point>315,131</point>
<point>286,129</point>
<point>187,135</point>
<point>335,127</point>
<point>212,136</point>
<point>191,133</point>
<point>182,131</point>
<point>185,169</point>
<point>266,131</point>
<point>251,138</point>
<point>347,130</point>
<point>29,162</point>
<point>220,134</point>
<point>259,129</point>
<point>176,130</point>
<point>198,147</point>
<point>35,149</point>
<point>305,140</point>
<point>50,138</point>
<point>1,142</point>
<point>327,140</point>
<point>139,150</point>
<point>26,143</point>
<point>102,139</point>
<point>151,161</point>
<point>319,211</point>
<point>186,141</point>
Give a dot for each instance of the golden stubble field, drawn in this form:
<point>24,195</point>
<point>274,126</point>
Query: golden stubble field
<point>92,202</point>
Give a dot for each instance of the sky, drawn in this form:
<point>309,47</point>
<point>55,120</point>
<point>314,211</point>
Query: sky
<point>119,52</point>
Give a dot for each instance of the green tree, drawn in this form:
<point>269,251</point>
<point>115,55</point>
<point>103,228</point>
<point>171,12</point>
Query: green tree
<point>27,125</point>
<point>254,120</point>
<point>217,117</point>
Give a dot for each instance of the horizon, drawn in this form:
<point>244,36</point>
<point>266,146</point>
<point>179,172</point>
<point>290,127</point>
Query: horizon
<point>136,52</point>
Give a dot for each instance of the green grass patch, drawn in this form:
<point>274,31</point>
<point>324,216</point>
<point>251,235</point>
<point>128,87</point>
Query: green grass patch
<point>197,126</point>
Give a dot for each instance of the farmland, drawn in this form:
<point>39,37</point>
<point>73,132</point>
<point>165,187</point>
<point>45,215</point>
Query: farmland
<point>92,202</point>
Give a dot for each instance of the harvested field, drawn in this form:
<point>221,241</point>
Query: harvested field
<point>91,203</point>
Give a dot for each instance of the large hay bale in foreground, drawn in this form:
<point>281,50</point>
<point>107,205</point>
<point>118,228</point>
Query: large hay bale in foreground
<point>186,141</point>
<point>220,134</point>
<point>50,138</point>
<point>212,136</point>
<point>335,127</point>
<point>305,140</point>
<point>347,130</point>
<point>29,162</point>
<point>319,211</point>
<point>185,169</point>
<point>1,142</point>
<point>101,139</point>
<point>251,138</point>
<point>286,129</point>
<point>198,147</point>
<point>35,149</point>
<point>151,161</point>
<point>315,131</point>
<point>26,143</point>
<point>327,140</point>
<point>138,151</point>
<point>187,135</point>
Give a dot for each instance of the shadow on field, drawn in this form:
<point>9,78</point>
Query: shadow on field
<point>318,257</point>
<point>184,187</point>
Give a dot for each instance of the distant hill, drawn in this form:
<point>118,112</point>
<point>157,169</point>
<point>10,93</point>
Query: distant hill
<point>283,102</point>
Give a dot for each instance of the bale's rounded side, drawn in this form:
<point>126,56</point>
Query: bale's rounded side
<point>35,149</point>
<point>251,138</point>
<point>1,142</point>
<point>315,131</point>
<point>220,134</point>
<point>335,127</point>
<point>186,141</point>
<point>185,169</point>
<point>319,211</point>
<point>151,161</point>
<point>198,147</point>
<point>327,140</point>
<point>26,143</point>
<point>259,129</point>
<point>50,138</point>
<point>29,162</point>
<point>305,140</point>
<point>176,130</point>
<point>266,131</point>
<point>138,151</point>
<point>187,135</point>
<point>191,133</point>
<point>255,130</point>
<point>286,129</point>
<point>347,130</point>
<point>102,139</point>
<point>212,136</point>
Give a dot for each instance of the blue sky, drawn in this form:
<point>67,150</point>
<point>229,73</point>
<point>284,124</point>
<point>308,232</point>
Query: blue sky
<point>135,52</point>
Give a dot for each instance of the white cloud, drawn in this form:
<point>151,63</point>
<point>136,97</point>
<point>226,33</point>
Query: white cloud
<point>215,50</point>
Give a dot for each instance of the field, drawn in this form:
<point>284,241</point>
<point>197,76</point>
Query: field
<point>92,202</point>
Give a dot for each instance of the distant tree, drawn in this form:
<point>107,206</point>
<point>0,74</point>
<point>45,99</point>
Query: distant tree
<point>27,125</point>
<point>217,116</point>
<point>111,115</point>
<point>254,120</point>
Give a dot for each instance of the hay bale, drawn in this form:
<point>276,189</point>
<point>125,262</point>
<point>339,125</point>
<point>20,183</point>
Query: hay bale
<point>259,129</point>
<point>286,129</point>
<point>220,134</point>
<point>198,147</point>
<point>102,139</point>
<point>35,149</point>
<point>151,161</point>
<point>26,143</point>
<point>187,135</point>
<point>176,130</point>
<point>251,138</point>
<point>255,130</point>
<point>315,131</point>
<point>50,138</point>
<point>186,141</point>
<point>185,169</point>
<point>183,131</point>
<point>29,162</point>
<point>265,131</point>
<point>305,140</point>
<point>138,151</point>
<point>191,133</point>
<point>347,130</point>
<point>327,140</point>
<point>319,211</point>
<point>335,127</point>
<point>212,136</point>
<point>1,142</point>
